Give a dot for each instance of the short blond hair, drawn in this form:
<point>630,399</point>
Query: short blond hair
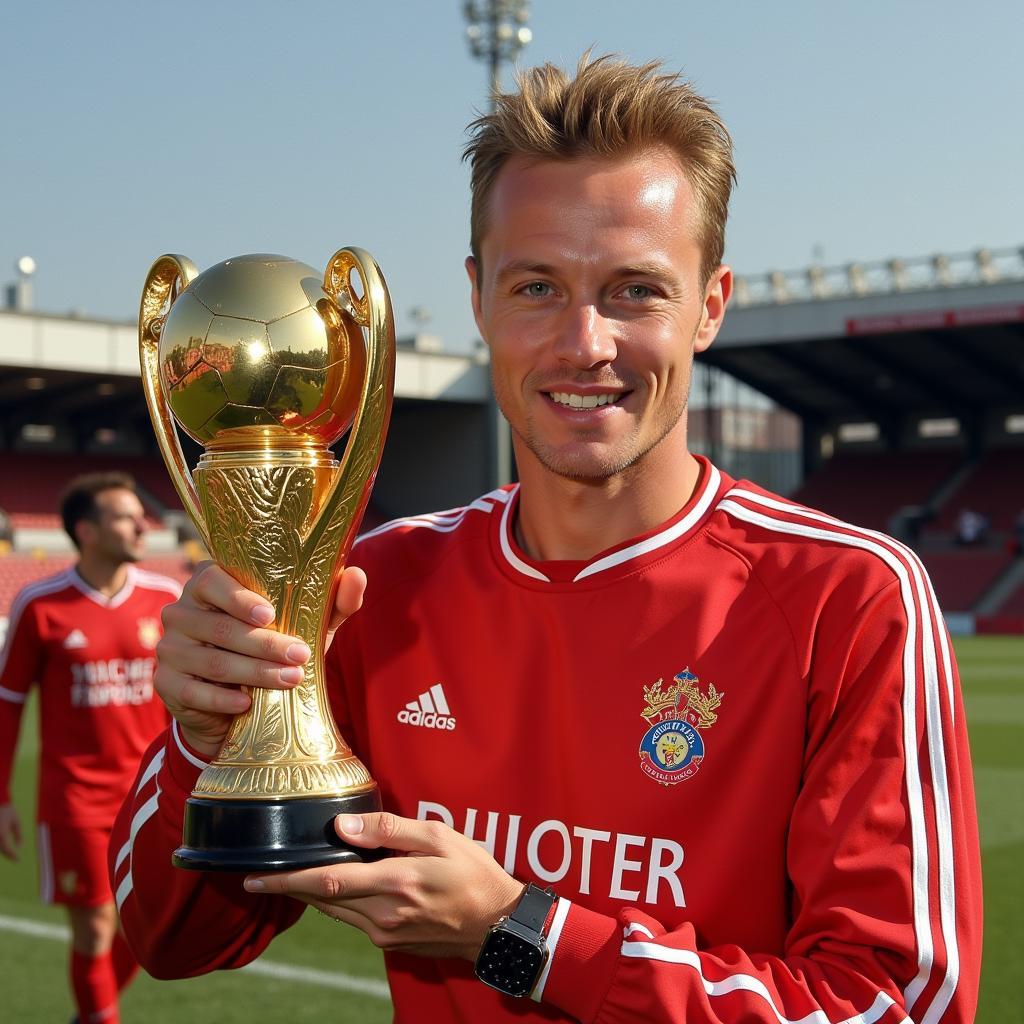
<point>610,109</point>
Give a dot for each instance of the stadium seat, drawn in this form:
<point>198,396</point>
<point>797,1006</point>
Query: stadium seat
<point>868,489</point>
<point>962,576</point>
<point>995,489</point>
<point>31,484</point>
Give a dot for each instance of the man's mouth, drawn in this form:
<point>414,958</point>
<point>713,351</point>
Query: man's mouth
<point>574,401</point>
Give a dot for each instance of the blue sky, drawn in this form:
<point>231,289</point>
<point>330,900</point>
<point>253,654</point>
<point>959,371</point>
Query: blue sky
<point>864,129</point>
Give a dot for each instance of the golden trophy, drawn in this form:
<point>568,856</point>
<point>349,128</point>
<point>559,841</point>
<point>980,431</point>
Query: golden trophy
<point>266,365</point>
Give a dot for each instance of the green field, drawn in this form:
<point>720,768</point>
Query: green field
<point>312,973</point>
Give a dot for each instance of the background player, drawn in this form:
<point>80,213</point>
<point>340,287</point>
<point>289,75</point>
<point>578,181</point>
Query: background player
<point>87,637</point>
<point>807,849</point>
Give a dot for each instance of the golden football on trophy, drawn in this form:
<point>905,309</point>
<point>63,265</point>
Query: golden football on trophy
<point>256,342</point>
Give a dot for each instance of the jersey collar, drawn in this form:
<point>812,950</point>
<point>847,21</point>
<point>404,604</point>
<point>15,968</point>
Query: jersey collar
<point>116,600</point>
<point>622,558</point>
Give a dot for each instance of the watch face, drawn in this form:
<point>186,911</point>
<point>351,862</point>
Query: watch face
<point>509,963</point>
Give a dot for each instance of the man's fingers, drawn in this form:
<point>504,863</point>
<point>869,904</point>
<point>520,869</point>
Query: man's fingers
<point>349,598</point>
<point>334,882</point>
<point>223,631</point>
<point>394,833</point>
<point>214,587</point>
<point>182,692</point>
<point>225,666</point>
<point>342,915</point>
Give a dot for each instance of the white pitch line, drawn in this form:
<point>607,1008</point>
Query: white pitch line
<point>329,979</point>
<point>267,968</point>
<point>37,929</point>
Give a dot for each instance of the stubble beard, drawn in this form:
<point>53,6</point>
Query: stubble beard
<point>124,554</point>
<point>585,465</point>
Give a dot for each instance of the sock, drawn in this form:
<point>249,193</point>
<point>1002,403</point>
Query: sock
<point>125,964</point>
<point>95,988</point>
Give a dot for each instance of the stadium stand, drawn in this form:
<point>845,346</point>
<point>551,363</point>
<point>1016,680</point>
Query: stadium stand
<point>870,488</point>
<point>994,489</point>
<point>961,577</point>
<point>1014,604</point>
<point>31,483</point>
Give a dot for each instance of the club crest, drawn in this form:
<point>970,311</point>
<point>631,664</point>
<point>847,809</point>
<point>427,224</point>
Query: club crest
<point>673,747</point>
<point>149,633</point>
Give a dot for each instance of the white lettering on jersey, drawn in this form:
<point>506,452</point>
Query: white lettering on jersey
<point>651,862</point>
<point>116,681</point>
<point>665,872</point>
<point>589,837</point>
<point>533,851</point>
<point>622,864</point>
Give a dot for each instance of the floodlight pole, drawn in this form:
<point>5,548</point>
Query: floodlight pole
<point>496,32</point>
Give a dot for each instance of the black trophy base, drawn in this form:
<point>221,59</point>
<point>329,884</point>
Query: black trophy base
<point>270,835</point>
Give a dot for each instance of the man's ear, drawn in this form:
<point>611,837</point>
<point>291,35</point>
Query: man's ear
<point>473,272</point>
<point>716,297</point>
<point>85,532</point>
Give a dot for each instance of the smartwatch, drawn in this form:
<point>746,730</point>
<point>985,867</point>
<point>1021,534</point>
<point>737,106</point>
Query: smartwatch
<point>515,949</point>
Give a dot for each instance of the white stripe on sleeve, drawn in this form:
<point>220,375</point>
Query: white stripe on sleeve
<point>917,594</point>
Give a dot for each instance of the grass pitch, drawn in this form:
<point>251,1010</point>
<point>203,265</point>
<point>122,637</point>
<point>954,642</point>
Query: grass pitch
<point>316,971</point>
<point>319,971</point>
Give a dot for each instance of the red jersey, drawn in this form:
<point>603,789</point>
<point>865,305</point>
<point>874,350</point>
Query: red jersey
<point>735,747</point>
<point>93,658</point>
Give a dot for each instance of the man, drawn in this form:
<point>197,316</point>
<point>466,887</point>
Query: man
<point>87,637</point>
<point>719,726</point>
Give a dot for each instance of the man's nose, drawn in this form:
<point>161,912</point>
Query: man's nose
<point>587,338</point>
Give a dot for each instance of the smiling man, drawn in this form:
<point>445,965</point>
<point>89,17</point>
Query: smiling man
<point>655,745</point>
<point>589,287</point>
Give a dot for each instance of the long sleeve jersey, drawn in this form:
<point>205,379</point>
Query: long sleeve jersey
<point>735,747</point>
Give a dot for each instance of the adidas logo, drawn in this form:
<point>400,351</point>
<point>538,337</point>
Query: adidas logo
<point>75,639</point>
<point>429,711</point>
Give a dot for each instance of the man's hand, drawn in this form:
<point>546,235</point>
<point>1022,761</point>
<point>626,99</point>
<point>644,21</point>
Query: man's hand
<point>216,640</point>
<point>438,900</point>
<point>10,831</point>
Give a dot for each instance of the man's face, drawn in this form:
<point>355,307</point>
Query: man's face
<point>119,529</point>
<point>591,303</point>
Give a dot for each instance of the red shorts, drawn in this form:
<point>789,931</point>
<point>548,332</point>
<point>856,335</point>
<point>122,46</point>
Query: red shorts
<point>73,865</point>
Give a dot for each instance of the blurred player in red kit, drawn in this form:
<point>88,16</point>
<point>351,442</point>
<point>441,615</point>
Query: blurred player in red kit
<point>86,636</point>
<point>654,744</point>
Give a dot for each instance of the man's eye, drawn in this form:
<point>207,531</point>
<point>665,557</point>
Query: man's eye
<point>638,292</point>
<point>537,289</point>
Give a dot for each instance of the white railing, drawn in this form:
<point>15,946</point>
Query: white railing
<point>853,280</point>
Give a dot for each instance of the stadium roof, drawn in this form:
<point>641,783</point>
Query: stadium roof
<point>942,337</point>
<point>86,372</point>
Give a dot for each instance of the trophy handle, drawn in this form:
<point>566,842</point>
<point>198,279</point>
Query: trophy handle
<point>169,276</point>
<point>348,495</point>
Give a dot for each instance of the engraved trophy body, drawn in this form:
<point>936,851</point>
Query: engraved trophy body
<point>266,365</point>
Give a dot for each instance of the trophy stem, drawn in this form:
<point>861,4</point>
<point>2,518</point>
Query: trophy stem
<point>284,771</point>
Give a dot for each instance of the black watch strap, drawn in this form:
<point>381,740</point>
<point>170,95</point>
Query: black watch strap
<point>533,907</point>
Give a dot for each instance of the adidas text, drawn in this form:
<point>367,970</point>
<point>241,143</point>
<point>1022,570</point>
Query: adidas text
<point>426,720</point>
